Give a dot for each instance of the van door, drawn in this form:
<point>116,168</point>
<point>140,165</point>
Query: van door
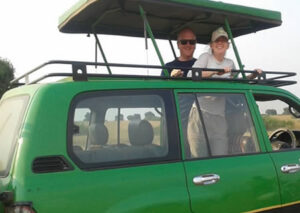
<point>282,130</point>
<point>126,144</point>
<point>226,164</point>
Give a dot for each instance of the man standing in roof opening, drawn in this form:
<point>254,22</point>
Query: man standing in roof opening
<point>186,42</point>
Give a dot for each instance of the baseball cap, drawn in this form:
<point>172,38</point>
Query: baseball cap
<point>218,33</point>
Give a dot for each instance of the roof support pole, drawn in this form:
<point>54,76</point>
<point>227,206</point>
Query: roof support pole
<point>102,52</point>
<point>96,54</point>
<point>241,66</point>
<point>94,25</point>
<point>149,31</point>
<point>172,47</point>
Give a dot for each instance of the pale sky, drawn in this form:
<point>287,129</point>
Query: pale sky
<point>29,37</point>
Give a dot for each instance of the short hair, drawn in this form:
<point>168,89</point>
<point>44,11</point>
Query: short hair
<point>184,30</point>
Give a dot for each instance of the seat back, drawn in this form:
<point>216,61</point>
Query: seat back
<point>140,132</point>
<point>98,135</point>
<point>141,137</point>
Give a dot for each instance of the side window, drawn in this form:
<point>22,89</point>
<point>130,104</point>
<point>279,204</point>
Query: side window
<point>216,125</point>
<point>110,128</point>
<point>280,118</point>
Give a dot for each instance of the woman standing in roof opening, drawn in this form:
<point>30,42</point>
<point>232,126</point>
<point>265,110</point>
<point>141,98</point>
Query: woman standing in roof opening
<point>212,106</point>
<point>216,59</point>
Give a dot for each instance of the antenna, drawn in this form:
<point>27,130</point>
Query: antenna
<point>146,45</point>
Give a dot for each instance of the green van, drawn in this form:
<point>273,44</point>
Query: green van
<point>95,142</point>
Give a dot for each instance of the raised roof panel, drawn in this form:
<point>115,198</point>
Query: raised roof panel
<point>166,18</point>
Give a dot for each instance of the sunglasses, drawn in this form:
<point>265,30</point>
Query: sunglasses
<point>191,42</point>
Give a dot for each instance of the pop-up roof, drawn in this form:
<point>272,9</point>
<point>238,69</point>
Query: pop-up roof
<point>166,18</point>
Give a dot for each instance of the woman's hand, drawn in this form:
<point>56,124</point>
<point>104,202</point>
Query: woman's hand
<point>258,71</point>
<point>226,70</point>
<point>254,75</point>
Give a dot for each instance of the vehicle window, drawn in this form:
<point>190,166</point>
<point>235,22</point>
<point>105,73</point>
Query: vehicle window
<point>216,125</point>
<point>112,129</point>
<point>11,115</point>
<point>282,127</point>
<point>127,118</point>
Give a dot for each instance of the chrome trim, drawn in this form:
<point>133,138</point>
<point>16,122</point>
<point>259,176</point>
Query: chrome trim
<point>291,168</point>
<point>206,179</point>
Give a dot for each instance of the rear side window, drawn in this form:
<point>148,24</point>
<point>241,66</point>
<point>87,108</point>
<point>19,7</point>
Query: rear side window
<point>11,115</point>
<point>109,129</point>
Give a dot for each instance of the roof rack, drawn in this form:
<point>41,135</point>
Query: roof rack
<point>79,73</point>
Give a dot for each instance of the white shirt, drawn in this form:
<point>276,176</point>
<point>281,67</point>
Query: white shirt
<point>211,104</point>
<point>207,60</point>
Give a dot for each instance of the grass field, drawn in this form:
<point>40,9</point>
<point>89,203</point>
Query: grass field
<point>273,122</point>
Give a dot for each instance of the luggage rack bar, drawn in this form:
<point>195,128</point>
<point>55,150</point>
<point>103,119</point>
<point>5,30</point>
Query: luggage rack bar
<point>79,73</point>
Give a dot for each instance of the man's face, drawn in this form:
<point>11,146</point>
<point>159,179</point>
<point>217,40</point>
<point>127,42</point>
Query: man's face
<point>185,43</point>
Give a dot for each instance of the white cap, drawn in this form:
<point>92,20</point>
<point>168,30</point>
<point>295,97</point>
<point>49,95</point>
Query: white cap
<point>218,33</point>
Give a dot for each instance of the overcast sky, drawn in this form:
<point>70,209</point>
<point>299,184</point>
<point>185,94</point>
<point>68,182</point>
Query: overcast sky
<point>29,36</point>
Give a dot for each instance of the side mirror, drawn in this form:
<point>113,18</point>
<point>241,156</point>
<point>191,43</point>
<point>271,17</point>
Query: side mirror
<point>294,112</point>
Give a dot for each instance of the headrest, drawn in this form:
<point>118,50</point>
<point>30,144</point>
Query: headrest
<point>98,134</point>
<point>140,132</point>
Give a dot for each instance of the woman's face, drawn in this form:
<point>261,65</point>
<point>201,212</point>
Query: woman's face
<point>219,46</point>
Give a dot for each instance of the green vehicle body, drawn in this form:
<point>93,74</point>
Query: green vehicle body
<point>52,164</point>
<point>157,187</point>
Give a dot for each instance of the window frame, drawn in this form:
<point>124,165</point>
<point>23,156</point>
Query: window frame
<point>167,96</point>
<point>253,114</point>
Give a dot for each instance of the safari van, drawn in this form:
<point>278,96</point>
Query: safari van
<point>111,142</point>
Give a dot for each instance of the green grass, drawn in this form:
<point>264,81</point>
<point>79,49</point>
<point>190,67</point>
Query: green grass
<point>273,122</point>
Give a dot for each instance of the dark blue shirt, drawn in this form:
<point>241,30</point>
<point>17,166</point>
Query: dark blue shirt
<point>177,63</point>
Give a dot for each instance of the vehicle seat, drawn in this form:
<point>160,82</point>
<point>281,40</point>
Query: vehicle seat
<point>239,142</point>
<point>141,135</point>
<point>140,132</point>
<point>98,136</point>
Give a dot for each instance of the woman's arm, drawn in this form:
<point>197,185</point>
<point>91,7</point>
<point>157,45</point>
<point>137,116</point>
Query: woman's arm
<point>202,62</point>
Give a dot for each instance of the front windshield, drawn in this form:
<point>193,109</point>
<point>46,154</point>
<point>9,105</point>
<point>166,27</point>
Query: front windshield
<point>11,114</point>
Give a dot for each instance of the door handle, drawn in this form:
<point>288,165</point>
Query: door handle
<point>206,179</point>
<point>291,168</point>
